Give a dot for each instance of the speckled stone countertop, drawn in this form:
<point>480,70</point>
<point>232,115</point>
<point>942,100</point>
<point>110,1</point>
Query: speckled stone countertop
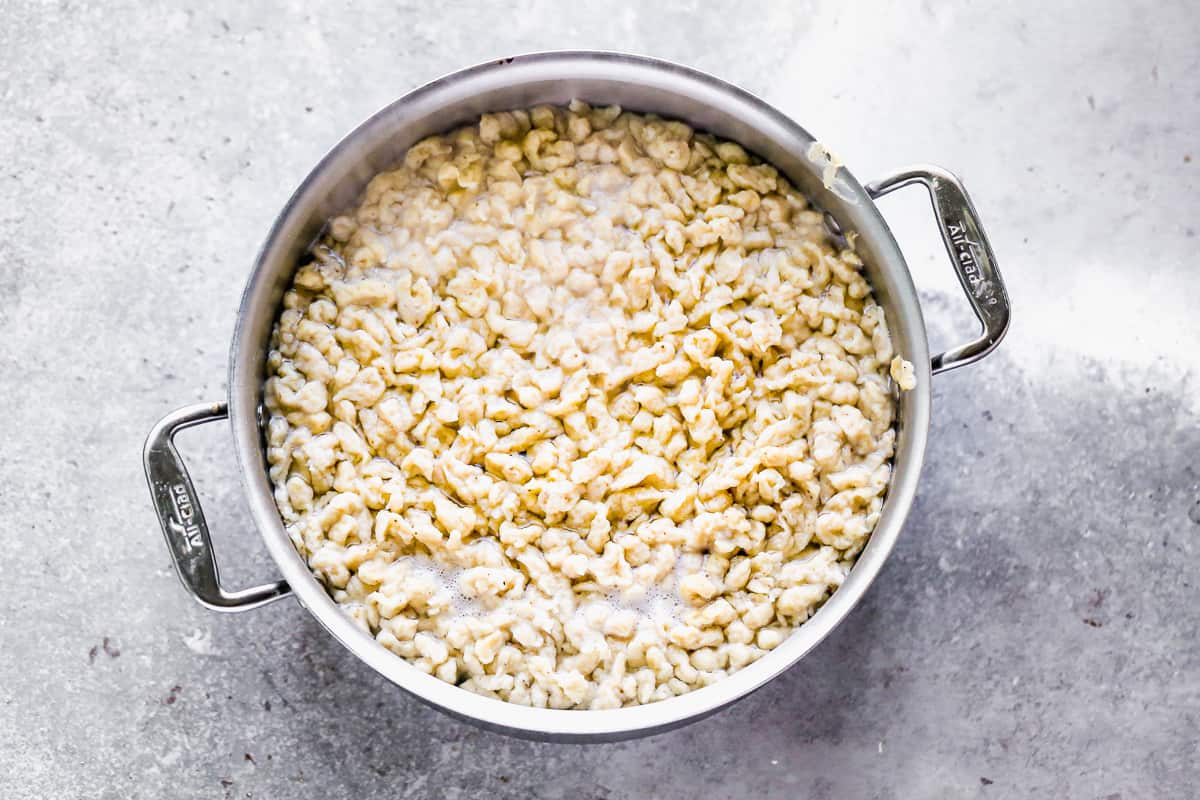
<point>1034,633</point>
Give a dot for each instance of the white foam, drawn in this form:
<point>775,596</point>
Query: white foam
<point>446,577</point>
<point>655,604</point>
<point>659,606</point>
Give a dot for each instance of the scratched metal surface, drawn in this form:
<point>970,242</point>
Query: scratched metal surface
<point>1035,631</point>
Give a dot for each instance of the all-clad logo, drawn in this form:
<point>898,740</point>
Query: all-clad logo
<point>965,250</point>
<point>183,524</point>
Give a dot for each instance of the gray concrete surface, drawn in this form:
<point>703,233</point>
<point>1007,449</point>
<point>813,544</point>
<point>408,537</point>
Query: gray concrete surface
<point>1034,634</point>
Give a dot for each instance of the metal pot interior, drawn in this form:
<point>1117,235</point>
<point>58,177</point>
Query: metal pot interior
<point>638,84</point>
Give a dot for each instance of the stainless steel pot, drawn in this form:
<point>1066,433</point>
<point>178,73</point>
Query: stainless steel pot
<point>635,83</point>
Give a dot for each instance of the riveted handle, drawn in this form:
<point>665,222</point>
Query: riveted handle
<point>970,253</point>
<point>182,521</point>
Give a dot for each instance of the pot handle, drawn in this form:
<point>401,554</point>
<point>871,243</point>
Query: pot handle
<point>969,252</point>
<point>182,521</point>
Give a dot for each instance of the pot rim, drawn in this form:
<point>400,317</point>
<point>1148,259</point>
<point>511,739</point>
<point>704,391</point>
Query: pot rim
<point>903,312</point>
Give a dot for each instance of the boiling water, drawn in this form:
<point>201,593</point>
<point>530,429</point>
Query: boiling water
<point>659,605</point>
